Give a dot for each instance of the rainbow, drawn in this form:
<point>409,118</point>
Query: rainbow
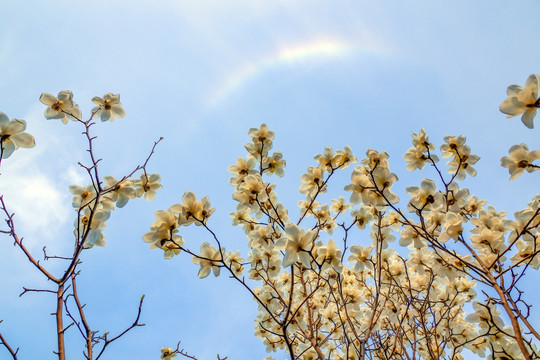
<point>316,50</point>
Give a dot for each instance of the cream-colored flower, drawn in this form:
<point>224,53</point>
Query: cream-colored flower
<point>193,210</point>
<point>120,191</point>
<point>108,107</point>
<point>520,159</point>
<point>274,164</point>
<point>61,107</point>
<point>210,260</point>
<point>147,185</point>
<point>262,134</point>
<point>312,181</point>
<point>361,256</point>
<point>522,101</point>
<point>297,245</point>
<point>424,198</point>
<point>362,217</point>
<point>82,196</point>
<point>12,136</point>
<point>167,353</point>
<point>329,256</point>
<point>241,169</point>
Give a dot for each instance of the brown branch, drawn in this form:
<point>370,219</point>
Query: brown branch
<point>135,324</point>
<point>35,290</point>
<point>19,243</point>
<point>89,333</point>
<point>9,348</point>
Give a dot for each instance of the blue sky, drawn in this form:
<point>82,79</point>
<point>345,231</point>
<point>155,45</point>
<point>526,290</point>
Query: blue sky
<point>200,74</point>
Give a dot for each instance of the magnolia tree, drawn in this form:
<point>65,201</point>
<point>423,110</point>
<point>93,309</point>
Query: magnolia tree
<point>326,281</point>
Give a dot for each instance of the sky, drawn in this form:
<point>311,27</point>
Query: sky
<point>200,74</point>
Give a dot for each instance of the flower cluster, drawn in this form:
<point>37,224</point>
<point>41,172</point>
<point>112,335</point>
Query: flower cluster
<point>62,107</point>
<point>371,183</point>
<point>94,205</point>
<point>355,297</point>
<point>417,156</point>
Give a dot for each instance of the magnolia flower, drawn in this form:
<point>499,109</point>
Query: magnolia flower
<point>263,134</point>
<point>426,197</point>
<point>297,245</point>
<point>330,256</point>
<point>121,191</point>
<point>147,186</point>
<point>61,107</point>
<point>520,159</point>
<point>522,101</point>
<point>167,353</point>
<point>362,217</point>
<point>415,158</point>
<point>274,164</point>
<point>82,196</point>
<point>193,210</point>
<point>209,260</point>
<point>361,256</point>
<point>108,107</point>
<point>241,169</point>
<point>12,136</point>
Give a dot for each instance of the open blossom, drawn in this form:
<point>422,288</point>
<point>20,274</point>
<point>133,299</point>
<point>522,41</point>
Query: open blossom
<point>426,197</point>
<point>520,159</point>
<point>108,107</point>
<point>297,245</point>
<point>192,210</point>
<point>121,191</point>
<point>262,134</point>
<point>12,136</point>
<point>454,145</point>
<point>167,353</point>
<point>339,206</point>
<point>241,169</point>
<point>374,159</point>
<point>274,164</point>
<point>330,256</point>
<point>82,196</point>
<point>361,256</point>
<point>91,224</point>
<point>147,185</point>
<point>209,260</point>
<point>362,217</point>
<point>415,158</point>
<point>163,234</point>
<point>312,181</point>
<point>61,107</point>
<point>522,101</point>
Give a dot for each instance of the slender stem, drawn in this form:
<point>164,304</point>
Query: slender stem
<point>9,348</point>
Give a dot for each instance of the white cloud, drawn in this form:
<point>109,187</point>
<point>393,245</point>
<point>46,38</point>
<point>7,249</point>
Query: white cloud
<point>33,190</point>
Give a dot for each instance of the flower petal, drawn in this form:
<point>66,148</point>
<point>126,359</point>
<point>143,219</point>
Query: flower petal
<point>105,115</point>
<point>118,111</point>
<point>4,120</point>
<point>528,117</point>
<point>8,147</point>
<point>47,99</point>
<point>15,126</point>
<point>512,107</point>
<point>532,84</point>
<point>24,140</point>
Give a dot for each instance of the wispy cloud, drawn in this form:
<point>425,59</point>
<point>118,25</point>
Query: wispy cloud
<point>35,188</point>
